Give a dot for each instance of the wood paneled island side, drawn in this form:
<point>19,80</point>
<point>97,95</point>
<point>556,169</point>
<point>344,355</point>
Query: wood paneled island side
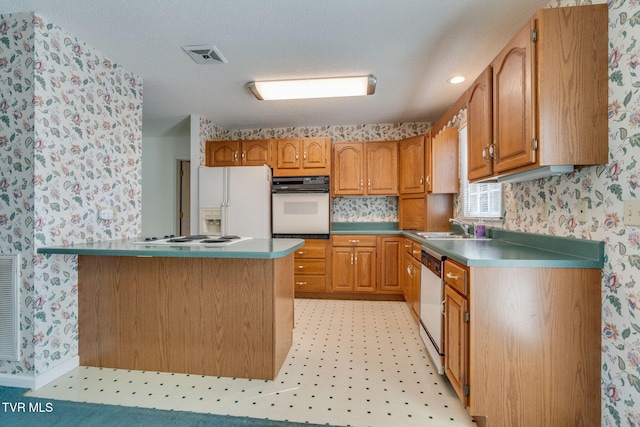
<point>229,315</point>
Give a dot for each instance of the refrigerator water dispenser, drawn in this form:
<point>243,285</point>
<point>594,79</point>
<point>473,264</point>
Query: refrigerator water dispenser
<point>211,221</point>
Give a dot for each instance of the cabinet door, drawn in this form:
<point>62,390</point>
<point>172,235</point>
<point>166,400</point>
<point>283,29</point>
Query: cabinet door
<point>412,163</point>
<point>428,161</point>
<point>513,104</point>
<point>382,168</point>
<point>348,168</point>
<point>223,153</point>
<point>456,331</point>
<point>315,154</point>
<point>479,127</point>
<point>444,162</point>
<point>406,276</point>
<point>390,250</point>
<point>288,153</point>
<point>365,269</point>
<point>255,153</point>
<point>342,269</point>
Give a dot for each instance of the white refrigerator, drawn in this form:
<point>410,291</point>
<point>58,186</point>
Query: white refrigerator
<point>235,200</point>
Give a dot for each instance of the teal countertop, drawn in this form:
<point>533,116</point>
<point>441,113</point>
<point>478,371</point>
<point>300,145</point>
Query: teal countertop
<point>364,228</point>
<point>515,249</point>
<point>254,248</point>
<point>503,249</point>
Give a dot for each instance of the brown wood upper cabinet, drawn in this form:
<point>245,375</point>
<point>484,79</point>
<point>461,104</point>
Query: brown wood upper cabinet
<point>238,153</point>
<point>479,126</point>
<point>545,95</point>
<point>412,165</point>
<point>365,168</point>
<point>442,164</point>
<point>301,156</point>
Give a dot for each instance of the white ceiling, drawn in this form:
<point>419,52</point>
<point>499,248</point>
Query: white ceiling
<point>411,46</point>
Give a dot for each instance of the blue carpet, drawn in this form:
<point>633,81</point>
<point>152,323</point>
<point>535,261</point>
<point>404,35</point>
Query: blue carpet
<point>17,410</point>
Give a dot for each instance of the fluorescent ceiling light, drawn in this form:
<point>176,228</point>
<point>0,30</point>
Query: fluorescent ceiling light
<point>314,88</point>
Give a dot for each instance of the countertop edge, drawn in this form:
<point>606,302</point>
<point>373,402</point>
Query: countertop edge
<point>162,252</point>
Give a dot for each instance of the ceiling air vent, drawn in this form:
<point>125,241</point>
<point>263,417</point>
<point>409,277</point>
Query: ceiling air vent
<point>205,54</point>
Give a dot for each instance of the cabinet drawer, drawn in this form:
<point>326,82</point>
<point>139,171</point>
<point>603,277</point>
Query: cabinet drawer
<point>312,249</point>
<point>309,283</point>
<point>309,266</point>
<point>416,250</point>
<point>407,245</point>
<point>354,240</point>
<point>456,276</point>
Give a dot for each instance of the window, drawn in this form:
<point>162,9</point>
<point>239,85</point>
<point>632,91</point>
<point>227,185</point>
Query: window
<point>482,200</point>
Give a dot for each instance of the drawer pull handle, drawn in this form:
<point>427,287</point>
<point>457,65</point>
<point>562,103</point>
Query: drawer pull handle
<point>301,283</point>
<point>354,241</point>
<point>452,276</point>
<point>300,267</point>
<point>301,252</point>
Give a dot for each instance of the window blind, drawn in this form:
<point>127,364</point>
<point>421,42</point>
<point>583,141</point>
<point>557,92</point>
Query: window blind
<point>480,200</point>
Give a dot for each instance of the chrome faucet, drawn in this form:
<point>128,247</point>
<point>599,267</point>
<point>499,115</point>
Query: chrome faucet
<point>463,225</point>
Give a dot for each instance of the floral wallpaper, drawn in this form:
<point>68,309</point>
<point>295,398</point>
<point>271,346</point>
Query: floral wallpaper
<point>208,132</point>
<point>70,126</point>
<point>364,209</point>
<point>347,209</point>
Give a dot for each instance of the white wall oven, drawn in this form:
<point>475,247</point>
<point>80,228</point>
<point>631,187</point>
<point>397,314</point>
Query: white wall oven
<point>300,207</point>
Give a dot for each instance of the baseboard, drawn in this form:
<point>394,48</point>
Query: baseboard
<point>35,382</point>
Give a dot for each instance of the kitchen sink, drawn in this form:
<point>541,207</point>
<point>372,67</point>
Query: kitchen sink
<point>445,235</point>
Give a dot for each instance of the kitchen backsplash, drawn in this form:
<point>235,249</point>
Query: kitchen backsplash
<point>364,209</point>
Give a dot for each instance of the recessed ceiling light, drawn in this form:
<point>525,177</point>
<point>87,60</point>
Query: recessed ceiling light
<point>456,80</point>
<point>313,88</point>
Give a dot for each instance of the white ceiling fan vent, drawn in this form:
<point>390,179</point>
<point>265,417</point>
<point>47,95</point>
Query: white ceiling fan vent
<point>205,54</point>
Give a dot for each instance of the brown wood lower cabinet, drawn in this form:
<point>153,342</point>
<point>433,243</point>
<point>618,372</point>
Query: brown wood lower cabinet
<point>354,263</point>
<point>311,266</point>
<point>456,329</point>
<point>355,267</point>
<point>522,345</point>
<point>410,271</point>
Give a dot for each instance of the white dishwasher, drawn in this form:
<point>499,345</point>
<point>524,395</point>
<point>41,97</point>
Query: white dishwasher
<point>431,305</point>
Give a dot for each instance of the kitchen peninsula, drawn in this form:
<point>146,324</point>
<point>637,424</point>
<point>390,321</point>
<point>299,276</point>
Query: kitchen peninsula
<point>219,311</point>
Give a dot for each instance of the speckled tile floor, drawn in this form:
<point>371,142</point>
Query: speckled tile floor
<point>353,363</point>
